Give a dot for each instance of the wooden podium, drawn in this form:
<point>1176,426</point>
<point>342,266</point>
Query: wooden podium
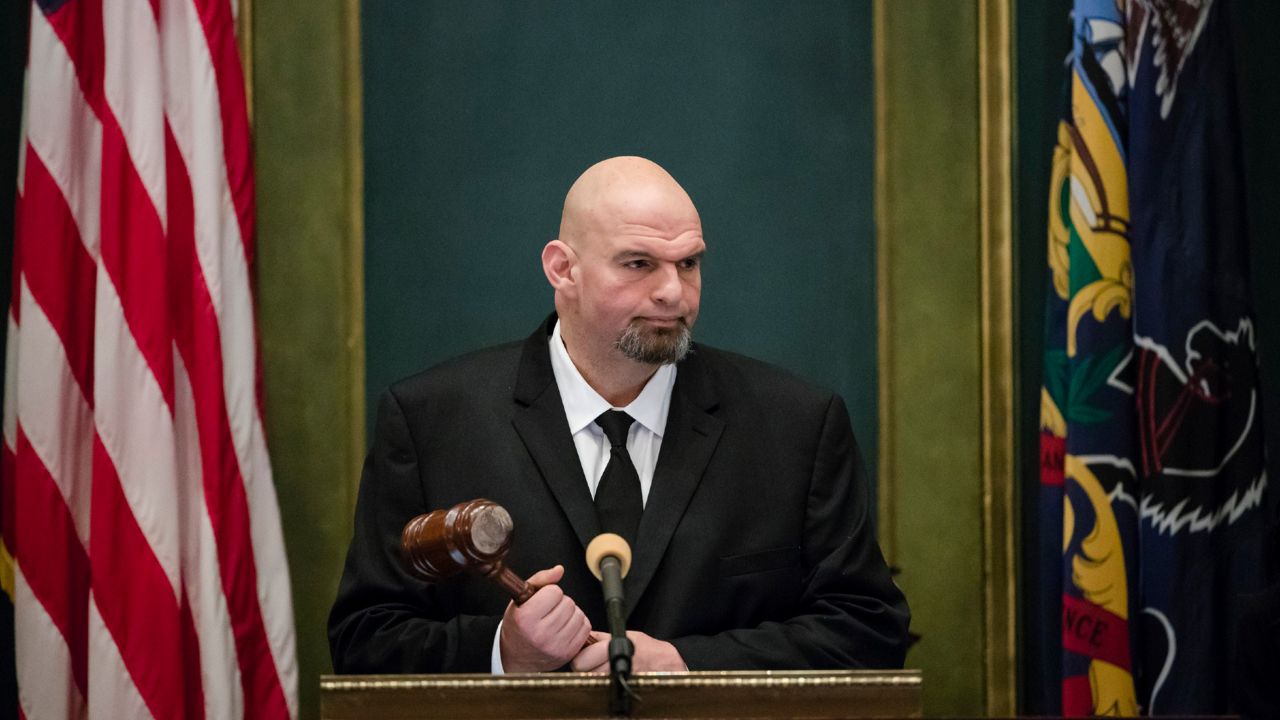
<point>703,695</point>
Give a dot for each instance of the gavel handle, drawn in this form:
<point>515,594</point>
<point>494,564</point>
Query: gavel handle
<point>514,585</point>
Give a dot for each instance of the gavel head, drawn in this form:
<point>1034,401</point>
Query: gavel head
<point>473,536</point>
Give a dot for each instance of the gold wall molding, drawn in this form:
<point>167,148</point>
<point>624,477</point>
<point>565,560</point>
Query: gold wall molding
<point>353,280</point>
<point>999,517</point>
<point>886,489</point>
<point>244,42</point>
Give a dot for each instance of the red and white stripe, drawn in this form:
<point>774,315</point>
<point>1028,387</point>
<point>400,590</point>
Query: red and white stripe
<point>150,576</point>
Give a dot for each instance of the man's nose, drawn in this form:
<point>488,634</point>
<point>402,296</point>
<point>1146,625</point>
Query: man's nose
<point>666,287</point>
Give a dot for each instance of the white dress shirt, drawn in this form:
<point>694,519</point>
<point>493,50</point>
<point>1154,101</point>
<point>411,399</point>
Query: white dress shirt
<point>582,405</point>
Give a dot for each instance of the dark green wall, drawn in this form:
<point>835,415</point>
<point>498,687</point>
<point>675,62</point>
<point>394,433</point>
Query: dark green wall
<point>1258,65</point>
<point>1042,40</point>
<point>479,115</point>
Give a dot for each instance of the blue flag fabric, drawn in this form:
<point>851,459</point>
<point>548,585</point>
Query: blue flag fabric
<point>1088,419</point>
<point>1155,502</point>
<point>1205,499</point>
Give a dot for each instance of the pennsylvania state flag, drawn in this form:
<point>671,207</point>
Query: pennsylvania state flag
<point>1154,495</point>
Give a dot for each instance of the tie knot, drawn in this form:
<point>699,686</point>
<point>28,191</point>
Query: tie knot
<point>615,424</point>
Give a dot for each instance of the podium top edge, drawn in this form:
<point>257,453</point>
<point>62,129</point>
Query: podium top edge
<point>719,678</point>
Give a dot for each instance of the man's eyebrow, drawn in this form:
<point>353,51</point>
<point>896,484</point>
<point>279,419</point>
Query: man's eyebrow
<point>634,254</point>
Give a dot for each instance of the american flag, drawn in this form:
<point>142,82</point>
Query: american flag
<point>138,510</point>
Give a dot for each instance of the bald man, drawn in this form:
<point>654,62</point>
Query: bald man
<point>744,495</point>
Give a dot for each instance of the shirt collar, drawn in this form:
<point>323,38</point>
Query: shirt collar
<point>582,404</point>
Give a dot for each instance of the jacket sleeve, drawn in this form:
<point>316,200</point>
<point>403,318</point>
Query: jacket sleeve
<point>384,620</point>
<point>851,614</point>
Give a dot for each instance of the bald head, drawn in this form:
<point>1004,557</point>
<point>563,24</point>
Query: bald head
<point>626,271</point>
<point>623,190</point>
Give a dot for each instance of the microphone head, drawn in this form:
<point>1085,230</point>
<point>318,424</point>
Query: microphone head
<point>608,545</point>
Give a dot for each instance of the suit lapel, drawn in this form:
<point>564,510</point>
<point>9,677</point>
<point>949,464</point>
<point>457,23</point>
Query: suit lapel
<point>687,445</point>
<point>539,420</point>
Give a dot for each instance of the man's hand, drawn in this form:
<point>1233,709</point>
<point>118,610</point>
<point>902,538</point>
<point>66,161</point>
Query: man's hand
<point>546,631</point>
<point>652,655</point>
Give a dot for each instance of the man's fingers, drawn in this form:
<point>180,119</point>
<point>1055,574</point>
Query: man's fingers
<point>576,631</point>
<point>655,655</point>
<point>558,618</point>
<point>548,595</point>
<point>592,657</point>
<point>542,602</point>
<point>569,625</point>
<point>583,628</point>
<point>550,576</point>
<point>549,621</point>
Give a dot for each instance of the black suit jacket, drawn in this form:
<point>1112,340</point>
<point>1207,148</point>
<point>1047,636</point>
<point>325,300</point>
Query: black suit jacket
<point>755,549</point>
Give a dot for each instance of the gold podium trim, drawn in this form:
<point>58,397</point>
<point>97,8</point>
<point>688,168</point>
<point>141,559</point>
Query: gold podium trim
<point>705,695</point>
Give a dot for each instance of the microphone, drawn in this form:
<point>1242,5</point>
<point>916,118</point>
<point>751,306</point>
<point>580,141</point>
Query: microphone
<point>609,559</point>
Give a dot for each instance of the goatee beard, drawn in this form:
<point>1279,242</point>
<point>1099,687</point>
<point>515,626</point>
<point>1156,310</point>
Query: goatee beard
<point>655,345</point>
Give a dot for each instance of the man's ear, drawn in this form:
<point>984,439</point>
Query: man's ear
<point>558,260</point>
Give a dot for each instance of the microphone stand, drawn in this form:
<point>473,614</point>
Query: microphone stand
<point>621,648</point>
<point>609,559</point>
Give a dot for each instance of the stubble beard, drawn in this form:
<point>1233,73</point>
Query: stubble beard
<point>655,345</point>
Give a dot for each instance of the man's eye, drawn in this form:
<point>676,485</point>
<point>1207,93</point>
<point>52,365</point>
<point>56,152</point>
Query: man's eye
<point>636,264</point>
<point>689,263</point>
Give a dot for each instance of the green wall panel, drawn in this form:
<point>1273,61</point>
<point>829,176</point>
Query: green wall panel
<point>929,206</point>
<point>309,310</point>
<point>479,115</point>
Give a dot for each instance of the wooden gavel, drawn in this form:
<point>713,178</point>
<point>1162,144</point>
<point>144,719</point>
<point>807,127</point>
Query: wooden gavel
<point>472,536</point>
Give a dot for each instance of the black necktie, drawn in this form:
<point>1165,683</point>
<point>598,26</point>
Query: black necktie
<point>618,499</point>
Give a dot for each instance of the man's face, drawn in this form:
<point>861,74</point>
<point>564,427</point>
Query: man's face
<point>640,281</point>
